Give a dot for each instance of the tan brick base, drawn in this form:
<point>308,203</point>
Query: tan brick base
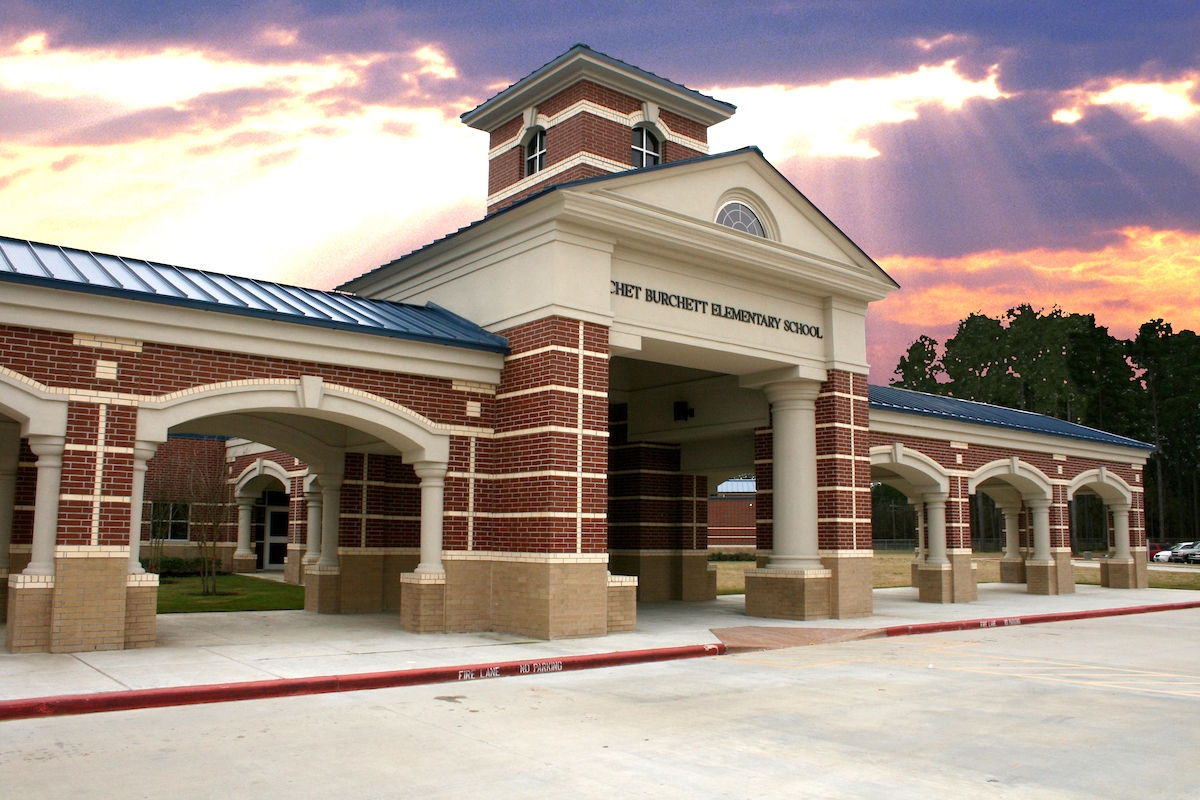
<point>851,583</point>
<point>788,594</point>
<point>293,566</point>
<point>3,594</point>
<point>963,570</point>
<point>1012,570</point>
<point>1120,573</point>
<point>88,609</point>
<point>28,622</point>
<point>1064,570</point>
<point>622,603</point>
<point>245,564</point>
<point>935,583</point>
<point>141,605</point>
<point>423,603</point>
<point>322,587</point>
<point>1041,577</point>
<point>671,575</point>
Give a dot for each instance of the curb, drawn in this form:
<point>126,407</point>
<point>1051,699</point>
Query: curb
<point>28,708</point>
<point>1031,619</point>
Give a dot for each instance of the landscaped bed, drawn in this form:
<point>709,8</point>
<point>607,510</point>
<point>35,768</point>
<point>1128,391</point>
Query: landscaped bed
<point>177,595</point>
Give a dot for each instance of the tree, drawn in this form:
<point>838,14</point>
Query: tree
<point>920,368</point>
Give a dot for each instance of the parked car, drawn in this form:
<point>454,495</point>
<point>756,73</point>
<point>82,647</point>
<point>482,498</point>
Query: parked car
<point>1180,553</point>
<point>1165,555</point>
<point>1154,548</point>
<point>1193,556</point>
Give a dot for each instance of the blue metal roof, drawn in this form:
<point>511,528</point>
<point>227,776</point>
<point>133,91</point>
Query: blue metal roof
<point>80,270</point>
<point>737,486</point>
<point>906,401</point>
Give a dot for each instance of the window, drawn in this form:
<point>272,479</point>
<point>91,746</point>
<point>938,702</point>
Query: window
<point>739,217</point>
<point>169,521</point>
<point>646,149</point>
<point>535,153</point>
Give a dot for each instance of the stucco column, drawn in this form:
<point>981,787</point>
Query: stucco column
<point>142,452</point>
<point>312,551</point>
<point>935,524</point>
<point>433,478</point>
<point>245,521</point>
<point>49,450</point>
<point>10,454</point>
<point>331,518</point>
<point>794,465</point>
<point>1041,530</point>
<point>1120,515</point>
<point>922,537</point>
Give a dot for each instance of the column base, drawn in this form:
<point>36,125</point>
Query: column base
<point>90,590</point>
<point>30,598</point>
<point>788,593</point>
<point>244,564</point>
<point>963,570</point>
<point>851,582</point>
<point>3,594</point>
<point>935,583</point>
<point>667,574</point>
<point>622,603</point>
<point>1012,569</point>
<point>322,590</point>
<point>141,610</point>
<point>423,602</point>
<point>1064,570</point>
<point>915,564</point>
<point>1041,577</point>
<point>1119,573</point>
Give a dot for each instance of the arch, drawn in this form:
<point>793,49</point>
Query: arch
<point>39,410</point>
<point>1028,479</point>
<point>415,437</point>
<point>919,473</point>
<point>1113,489</point>
<point>259,475</point>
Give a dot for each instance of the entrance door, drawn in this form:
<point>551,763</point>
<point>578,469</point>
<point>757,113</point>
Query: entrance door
<point>276,539</point>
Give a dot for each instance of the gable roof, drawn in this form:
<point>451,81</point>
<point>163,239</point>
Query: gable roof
<point>906,401</point>
<point>84,271</point>
<point>628,174</point>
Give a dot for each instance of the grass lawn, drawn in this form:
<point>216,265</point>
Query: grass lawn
<point>235,593</point>
<point>892,569</point>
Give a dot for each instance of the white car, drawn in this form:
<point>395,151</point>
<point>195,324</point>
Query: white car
<point>1165,555</point>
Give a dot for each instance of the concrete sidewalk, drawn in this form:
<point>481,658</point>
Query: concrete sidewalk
<point>219,648</point>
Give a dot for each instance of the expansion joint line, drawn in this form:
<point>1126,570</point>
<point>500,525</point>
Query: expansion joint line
<point>579,448</point>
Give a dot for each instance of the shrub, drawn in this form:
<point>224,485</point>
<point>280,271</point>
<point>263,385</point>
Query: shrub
<point>732,557</point>
<point>180,567</point>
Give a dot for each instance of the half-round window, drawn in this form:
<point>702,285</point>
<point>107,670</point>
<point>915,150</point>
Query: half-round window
<point>739,217</point>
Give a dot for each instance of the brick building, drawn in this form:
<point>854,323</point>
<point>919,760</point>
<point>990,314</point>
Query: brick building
<point>514,428</point>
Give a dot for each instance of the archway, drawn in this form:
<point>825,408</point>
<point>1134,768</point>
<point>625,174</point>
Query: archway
<point>1125,567</point>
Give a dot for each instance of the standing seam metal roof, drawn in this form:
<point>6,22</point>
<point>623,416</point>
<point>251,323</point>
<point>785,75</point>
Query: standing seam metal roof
<point>906,401</point>
<point>81,270</point>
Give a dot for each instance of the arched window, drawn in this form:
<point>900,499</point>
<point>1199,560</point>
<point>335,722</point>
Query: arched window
<point>739,217</point>
<point>535,153</point>
<point>647,150</point>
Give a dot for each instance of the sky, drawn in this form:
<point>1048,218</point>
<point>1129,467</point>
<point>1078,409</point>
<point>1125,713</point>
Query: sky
<point>985,154</point>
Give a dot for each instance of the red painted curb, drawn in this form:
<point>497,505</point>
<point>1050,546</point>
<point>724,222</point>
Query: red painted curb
<point>292,687</point>
<point>1032,619</point>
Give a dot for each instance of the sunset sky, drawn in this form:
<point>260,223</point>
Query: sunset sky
<point>985,154</point>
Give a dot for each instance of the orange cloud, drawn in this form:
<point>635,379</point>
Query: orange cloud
<point>1144,274</point>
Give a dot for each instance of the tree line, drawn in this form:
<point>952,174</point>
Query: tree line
<point>1066,366</point>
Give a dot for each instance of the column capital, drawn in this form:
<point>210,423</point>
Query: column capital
<point>430,470</point>
<point>46,446</point>
<point>246,502</point>
<point>1039,502</point>
<point>797,390</point>
<point>1118,507</point>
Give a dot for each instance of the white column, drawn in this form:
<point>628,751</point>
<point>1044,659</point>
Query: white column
<point>1121,530</point>
<point>49,450</point>
<point>1041,530</point>
<point>331,517</point>
<point>433,476</point>
<point>10,454</point>
<point>935,521</point>
<point>142,452</point>
<point>245,521</point>
<point>1012,535</point>
<point>312,547</point>
<point>794,474</point>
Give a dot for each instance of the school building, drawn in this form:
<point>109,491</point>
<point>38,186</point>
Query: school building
<point>515,428</point>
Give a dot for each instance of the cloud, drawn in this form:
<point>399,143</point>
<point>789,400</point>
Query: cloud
<point>1142,101</point>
